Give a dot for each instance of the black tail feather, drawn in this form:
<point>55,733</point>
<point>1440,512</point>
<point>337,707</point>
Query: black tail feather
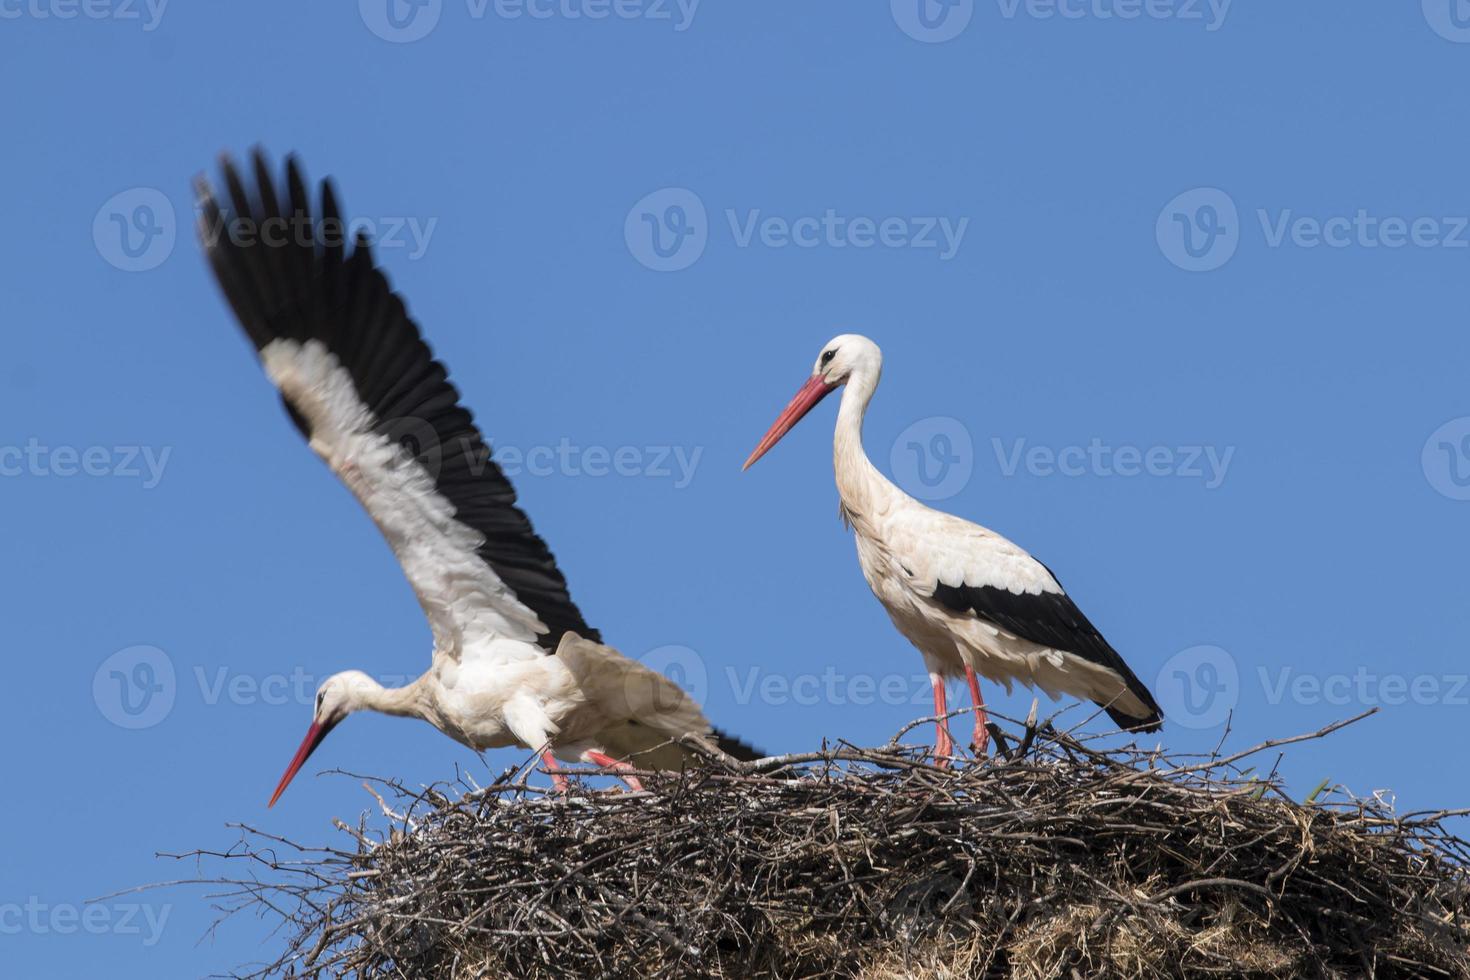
<point>1128,723</point>
<point>735,748</point>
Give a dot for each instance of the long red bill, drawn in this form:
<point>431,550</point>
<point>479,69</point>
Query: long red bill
<point>314,736</point>
<point>806,399</point>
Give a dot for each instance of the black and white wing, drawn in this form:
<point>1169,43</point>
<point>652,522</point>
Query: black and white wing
<point>970,570</point>
<point>363,387</point>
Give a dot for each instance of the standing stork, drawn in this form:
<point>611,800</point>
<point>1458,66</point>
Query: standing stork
<point>514,662</point>
<point>970,600</point>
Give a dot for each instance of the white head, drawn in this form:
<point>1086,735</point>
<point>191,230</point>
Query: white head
<point>848,357</point>
<point>339,696</point>
<point>845,356</point>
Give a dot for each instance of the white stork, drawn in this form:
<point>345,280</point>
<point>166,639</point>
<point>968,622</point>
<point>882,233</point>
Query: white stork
<point>970,600</point>
<point>513,661</point>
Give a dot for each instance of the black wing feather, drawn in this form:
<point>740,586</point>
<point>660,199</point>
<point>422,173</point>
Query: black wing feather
<point>307,287</point>
<point>1052,619</point>
<point>736,748</point>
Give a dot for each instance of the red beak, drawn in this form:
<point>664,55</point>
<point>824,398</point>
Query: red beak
<point>314,736</point>
<point>806,399</point>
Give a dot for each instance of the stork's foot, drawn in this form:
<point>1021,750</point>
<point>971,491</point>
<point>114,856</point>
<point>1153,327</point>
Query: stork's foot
<point>980,742</point>
<point>943,747</point>
<point>624,771</point>
<point>943,743</point>
<point>557,779</point>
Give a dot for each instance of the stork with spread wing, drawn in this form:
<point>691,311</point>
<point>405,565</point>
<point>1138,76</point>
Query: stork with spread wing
<point>513,662</point>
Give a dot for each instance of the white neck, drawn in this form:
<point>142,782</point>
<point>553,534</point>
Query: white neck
<point>862,488</point>
<point>404,702</point>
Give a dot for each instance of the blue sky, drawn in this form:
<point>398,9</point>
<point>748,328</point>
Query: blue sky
<point>1175,300</point>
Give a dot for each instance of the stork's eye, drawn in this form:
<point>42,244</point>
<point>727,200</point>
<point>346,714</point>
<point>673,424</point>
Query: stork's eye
<point>827,356</point>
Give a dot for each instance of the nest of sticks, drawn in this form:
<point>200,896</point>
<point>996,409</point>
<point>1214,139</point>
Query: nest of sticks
<point>1056,858</point>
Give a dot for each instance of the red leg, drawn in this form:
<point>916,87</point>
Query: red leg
<point>557,778</point>
<point>621,768</point>
<point>982,734</point>
<point>943,744</point>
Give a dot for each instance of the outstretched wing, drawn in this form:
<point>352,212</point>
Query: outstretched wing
<point>363,387</point>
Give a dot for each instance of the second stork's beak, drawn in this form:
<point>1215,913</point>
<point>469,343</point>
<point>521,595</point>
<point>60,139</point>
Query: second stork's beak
<point>314,736</point>
<point>806,399</point>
